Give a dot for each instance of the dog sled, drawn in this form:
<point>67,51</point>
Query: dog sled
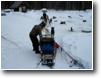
<point>48,49</point>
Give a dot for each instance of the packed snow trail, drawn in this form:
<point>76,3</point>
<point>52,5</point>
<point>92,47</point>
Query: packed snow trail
<point>10,41</point>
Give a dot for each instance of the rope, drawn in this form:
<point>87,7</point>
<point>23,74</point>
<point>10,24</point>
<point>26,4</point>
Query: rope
<point>75,61</point>
<point>67,54</point>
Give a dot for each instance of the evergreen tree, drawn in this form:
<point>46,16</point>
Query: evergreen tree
<point>63,5</point>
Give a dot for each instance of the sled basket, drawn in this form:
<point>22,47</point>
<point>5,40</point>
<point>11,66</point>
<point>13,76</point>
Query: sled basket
<point>47,45</point>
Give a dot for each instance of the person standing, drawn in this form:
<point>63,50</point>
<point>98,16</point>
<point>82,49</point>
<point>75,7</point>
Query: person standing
<point>36,30</point>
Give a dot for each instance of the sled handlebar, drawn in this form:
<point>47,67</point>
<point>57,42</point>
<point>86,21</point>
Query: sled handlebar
<point>47,36</point>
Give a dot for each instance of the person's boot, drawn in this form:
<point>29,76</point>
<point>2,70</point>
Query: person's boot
<point>34,50</point>
<point>37,52</point>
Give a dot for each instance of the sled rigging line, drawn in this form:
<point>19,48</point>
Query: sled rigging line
<point>67,54</point>
<point>75,62</point>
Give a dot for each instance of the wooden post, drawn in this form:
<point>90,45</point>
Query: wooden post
<point>71,29</point>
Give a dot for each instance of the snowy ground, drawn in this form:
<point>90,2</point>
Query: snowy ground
<point>16,47</point>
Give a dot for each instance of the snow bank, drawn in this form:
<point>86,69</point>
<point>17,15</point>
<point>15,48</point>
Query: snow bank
<point>79,46</point>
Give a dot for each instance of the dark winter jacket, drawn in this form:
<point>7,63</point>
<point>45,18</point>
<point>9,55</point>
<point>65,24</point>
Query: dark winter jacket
<point>36,30</point>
